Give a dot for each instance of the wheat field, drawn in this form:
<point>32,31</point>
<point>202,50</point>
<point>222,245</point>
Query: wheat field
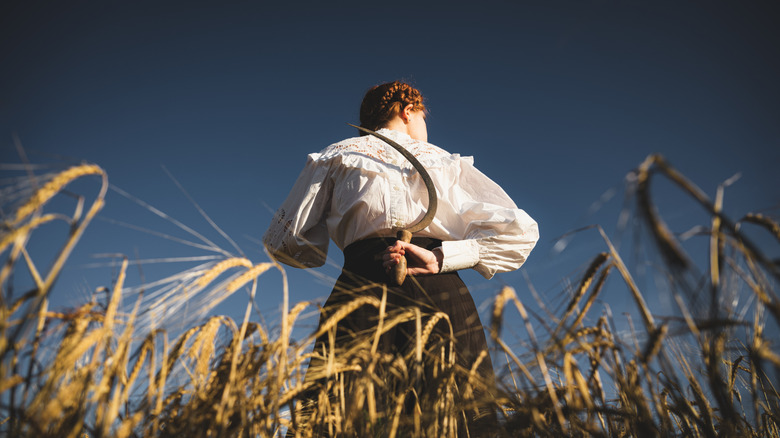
<point>100,370</point>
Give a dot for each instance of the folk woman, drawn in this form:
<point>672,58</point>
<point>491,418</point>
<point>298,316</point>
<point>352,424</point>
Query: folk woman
<point>359,191</point>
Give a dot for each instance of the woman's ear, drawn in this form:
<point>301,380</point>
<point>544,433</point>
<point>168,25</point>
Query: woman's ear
<point>407,112</point>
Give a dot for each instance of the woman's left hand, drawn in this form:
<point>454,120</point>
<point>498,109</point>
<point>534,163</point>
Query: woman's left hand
<point>419,261</point>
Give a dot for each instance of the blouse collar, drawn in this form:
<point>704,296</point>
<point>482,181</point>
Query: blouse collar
<point>395,135</point>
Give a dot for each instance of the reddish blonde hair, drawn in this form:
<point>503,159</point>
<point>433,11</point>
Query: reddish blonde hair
<point>383,102</point>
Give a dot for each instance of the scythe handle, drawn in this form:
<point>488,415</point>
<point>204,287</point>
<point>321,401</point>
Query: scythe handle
<point>399,270</point>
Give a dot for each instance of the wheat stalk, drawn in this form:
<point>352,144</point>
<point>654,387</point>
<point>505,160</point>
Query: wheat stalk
<point>96,371</point>
<point>51,188</point>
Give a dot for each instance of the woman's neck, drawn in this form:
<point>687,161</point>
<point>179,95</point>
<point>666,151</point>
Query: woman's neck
<point>397,124</point>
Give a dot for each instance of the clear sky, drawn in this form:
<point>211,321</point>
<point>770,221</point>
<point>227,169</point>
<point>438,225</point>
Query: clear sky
<point>557,102</point>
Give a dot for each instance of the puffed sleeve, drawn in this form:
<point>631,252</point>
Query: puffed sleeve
<point>495,235</point>
<point>298,235</point>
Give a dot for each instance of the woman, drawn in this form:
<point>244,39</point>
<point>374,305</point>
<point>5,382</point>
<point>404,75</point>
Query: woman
<point>359,191</point>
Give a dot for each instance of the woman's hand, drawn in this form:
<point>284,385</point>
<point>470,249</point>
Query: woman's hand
<point>419,261</point>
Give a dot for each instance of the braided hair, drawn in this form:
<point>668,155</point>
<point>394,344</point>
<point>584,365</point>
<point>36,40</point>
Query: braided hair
<point>383,102</point>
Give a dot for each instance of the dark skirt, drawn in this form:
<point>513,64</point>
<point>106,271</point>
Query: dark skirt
<point>364,276</point>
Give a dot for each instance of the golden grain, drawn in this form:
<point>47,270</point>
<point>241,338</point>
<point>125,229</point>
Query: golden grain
<point>345,310</point>
<point>587,279</point>
<point>81,358</point>
<point>221,267</point>
<point>23,231</point>
<point>654,343</point>
<point>51,188</point>
<point>248,276</point>
<point>429,326</point>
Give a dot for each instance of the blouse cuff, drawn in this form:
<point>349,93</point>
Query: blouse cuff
<point>459,254</point>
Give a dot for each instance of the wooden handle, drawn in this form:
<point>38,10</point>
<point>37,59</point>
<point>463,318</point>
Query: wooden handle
<point>399,271</point>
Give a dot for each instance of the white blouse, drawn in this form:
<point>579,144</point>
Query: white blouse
<point>361,187</point>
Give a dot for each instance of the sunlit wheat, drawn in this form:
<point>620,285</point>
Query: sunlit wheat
<point>109,369</point>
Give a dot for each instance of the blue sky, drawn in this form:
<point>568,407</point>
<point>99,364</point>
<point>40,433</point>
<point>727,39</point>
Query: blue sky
<point>557,102</point>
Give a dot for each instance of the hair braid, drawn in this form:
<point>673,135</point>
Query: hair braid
<point>383,102</point>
